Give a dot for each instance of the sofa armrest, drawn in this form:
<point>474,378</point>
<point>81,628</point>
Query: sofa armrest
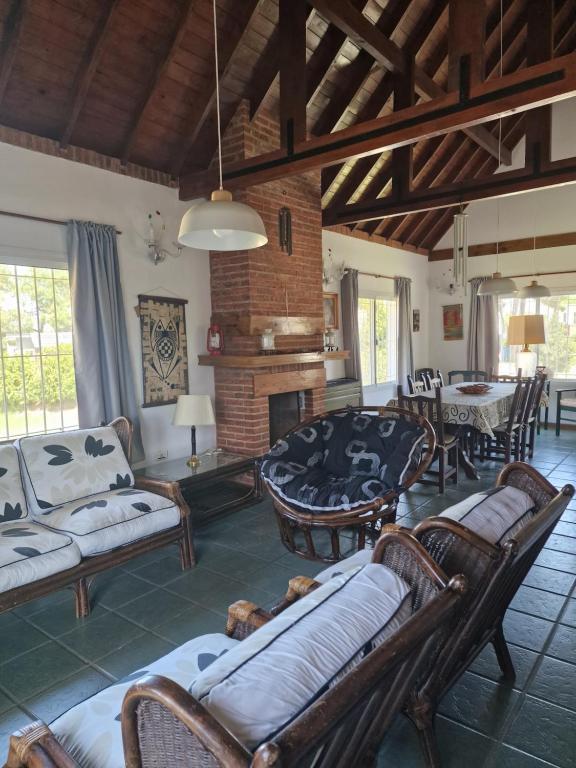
<point>168,489</point>
<point>36,746</point>
<point>244,618</point>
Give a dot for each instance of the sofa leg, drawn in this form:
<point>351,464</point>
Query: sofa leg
<point>187,553</point>
<point>503,655</point>
<point>82,598</point>
<point>422,715</point>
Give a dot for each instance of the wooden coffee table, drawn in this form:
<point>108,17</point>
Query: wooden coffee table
<point>221,482</point>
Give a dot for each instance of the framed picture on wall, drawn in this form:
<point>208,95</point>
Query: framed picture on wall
<point>415,320</point>
<point>453,322</point>
<point>331,312</point>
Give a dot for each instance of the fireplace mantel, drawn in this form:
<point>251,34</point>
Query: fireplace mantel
<point>270,361</point>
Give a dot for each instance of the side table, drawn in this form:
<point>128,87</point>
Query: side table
<point>213,487</point>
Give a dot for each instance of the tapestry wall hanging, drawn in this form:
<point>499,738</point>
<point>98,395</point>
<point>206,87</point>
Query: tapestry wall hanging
<point>453,322</point>
<point>164,349</point>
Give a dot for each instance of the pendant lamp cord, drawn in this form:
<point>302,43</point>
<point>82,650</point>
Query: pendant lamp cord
<point>217,68</point>
<point>499,142</point>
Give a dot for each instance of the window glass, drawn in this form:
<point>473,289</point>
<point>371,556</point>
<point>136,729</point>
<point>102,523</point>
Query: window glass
<point>377,327</point>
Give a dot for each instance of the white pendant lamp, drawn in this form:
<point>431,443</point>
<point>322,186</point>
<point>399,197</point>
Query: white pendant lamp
<point>220,224</point>
<point>534,290</point>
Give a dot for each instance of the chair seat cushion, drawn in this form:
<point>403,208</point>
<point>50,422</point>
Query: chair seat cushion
<point>91,730</point>
<point>263,683</point>
<point>496,514</point>
<point>29,552</point>
<point>357,560</point>
<point>105,521</point>
<point>568,402</point>
<point>62,467</point>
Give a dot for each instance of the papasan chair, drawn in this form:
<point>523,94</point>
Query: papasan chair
<point>337,477</point>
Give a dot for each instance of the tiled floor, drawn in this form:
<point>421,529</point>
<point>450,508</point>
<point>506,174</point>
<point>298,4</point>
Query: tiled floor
<point>49,660</point>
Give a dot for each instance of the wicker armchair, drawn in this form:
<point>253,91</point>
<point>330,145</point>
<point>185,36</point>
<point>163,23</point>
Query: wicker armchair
<point>301,530</point>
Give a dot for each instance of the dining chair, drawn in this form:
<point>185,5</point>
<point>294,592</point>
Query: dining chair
<point>508,436</point>
<point>532,415</point>
<point>566,404</point>
<point>467,376</point>
<point>415,385</point>
<point>503,378</point>
<point>546,408</point>
<point>419,372</point>
<point>433,382</point>
<point>446,453</point>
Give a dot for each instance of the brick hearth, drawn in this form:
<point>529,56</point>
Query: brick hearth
<point>267,281</point>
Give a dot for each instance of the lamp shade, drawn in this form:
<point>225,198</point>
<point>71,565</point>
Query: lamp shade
<point>221,224</point>
<point>193,411</point>
<point>533,291</point>
<point>526,329</point>
<point>497,286</point>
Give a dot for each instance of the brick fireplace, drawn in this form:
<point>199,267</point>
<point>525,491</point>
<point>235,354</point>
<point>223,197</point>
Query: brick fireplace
<point>257,289</point>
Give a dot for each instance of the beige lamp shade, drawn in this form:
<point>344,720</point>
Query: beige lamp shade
<point>526,329</point>
<point>193,410</point>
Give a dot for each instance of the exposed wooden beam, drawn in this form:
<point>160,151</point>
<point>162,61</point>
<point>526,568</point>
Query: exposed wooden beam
<point>466,43</point>
<point>369,38</point>
<point>539,47</point>
<point>531,87</point>
<point>509,246</point>
<point>401,160</point>
<point>88,68</point>
<point>360,235</point>
<point>293,15</point>
<point>160,71</point>
<point>205,105</point>
<point>9,44</point>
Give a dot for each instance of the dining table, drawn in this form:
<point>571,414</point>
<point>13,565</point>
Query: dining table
<point>481,412</point>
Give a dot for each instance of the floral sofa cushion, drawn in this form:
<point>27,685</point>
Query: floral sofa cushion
<point>343,461</point>
<point>12,499</point>
<point>104,521</point>
<point>91,730</point>
<point>496,514</point>
<point>29,552</point>
<point>268,679</point>
<point>65,466</point>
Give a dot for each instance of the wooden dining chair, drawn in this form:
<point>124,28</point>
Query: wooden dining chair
<point>503,378</point>
<point>544,371</point>
<point>419,372</point>
<point>433,382</point>
<point>415,385</point>
<point>467,376</point>
<point>446,453</point>
<point>508,436</point>
<point>531,415</point>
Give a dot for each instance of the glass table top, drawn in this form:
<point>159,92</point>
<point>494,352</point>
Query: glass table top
<point>177,470</point>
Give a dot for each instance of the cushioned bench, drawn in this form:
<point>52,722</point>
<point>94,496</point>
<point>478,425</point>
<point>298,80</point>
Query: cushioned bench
<point>71,508</point>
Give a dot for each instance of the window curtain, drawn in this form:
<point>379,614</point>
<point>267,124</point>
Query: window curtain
<point>405,355</point>
<point>350,331</point>
<point>482,330</point>
<point>104,377</point>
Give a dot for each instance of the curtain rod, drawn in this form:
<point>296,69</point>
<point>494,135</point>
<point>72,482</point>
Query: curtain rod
<point>60,222</point>
<point>388,277</point>
<point>540,274</point>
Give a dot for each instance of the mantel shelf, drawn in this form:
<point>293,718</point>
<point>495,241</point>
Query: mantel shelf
<point>270,361</point>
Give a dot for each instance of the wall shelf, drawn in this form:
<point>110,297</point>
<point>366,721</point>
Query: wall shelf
<point>270,361</point>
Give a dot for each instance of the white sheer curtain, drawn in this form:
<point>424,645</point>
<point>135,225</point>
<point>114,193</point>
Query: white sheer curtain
<point>405,357</point>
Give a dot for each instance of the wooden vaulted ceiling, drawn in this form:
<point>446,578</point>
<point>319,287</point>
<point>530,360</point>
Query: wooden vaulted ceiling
<point>134,80</point>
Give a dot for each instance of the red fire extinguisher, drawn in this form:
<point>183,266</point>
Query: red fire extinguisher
<point>215,340</point>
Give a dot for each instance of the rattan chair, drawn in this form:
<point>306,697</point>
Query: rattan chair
<point>318,535</point>
<point>467,376</point>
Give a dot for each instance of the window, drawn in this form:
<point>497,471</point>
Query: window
<point>559,352</point>
<point>37,385</point>
<point>377,326</point>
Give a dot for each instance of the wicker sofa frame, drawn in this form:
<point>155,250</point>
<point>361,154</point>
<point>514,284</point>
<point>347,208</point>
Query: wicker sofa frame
<point>80,576</point>
<point>365,519</point>
<point>162,724</point>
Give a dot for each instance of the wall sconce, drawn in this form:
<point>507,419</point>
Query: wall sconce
<point>156,253</point>
<point>332,271</point>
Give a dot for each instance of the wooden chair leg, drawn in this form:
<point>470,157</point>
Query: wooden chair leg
<point>503,655</point>
<point>508,448</point>
<point>441,471</point>
<point>423,719</point>
<point>454,463</point>
<point>558,413</point>
<point>532,440</point>
<point>82,598</point>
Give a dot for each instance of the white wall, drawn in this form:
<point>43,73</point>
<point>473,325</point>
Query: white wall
<point>41,185</point>
<point>381,259</point>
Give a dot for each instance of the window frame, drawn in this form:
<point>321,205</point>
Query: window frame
<point>391,336</point>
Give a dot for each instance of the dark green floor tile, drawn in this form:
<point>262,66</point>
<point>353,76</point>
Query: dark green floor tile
<point>566,529</point>
<point>569,615</point>
<point>198,584</point>
<point>6,703</point>
<point>41,603</point>
<point>479,703</point>
<point>555,681</point>
<point>270,579</point>
<point>562,543</point>
<point>11,721</point>
<point>147,559</point>
<point>545,731</point>
<point>563,645</point>
<point>487,666</point>
<point>266,547</point>
<point>232,563</point>
<point>61,618</point>
<point>56,700</point>
<point>526,631</point>
<point>101,636</point>
<point>159,572</point>
<point>558,560</point>
<point>401,746</point>
<point>38,669</point>
<point>299,566</point>
<point>134,655</point>
<point>154,608</point>
<point>508,757</point>
<point>550,580</point>
<point>218,600</point>
<point>123,588</point>
<point>194,622</point>
<point>569,516</point>
<point>19,637</point>
<point>538,603</point>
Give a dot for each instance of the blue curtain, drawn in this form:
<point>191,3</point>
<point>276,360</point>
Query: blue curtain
<point>104,377</point>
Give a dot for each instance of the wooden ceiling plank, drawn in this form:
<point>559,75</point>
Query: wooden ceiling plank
<point>204,107</point>
<point>9,45</point>
<point>293,16</point>
<point>163,66</point>
<point>88,68</point>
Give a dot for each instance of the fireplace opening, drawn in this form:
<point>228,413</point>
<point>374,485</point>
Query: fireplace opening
<point>284,411</point>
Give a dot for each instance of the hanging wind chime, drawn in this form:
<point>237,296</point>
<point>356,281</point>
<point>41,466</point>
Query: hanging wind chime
<point>460,262</point>
<point>285,230</point>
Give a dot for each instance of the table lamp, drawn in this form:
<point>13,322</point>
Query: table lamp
<point>193,411</point>
<point>524,330</point>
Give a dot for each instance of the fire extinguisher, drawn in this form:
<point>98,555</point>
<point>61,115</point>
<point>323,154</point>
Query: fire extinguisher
<point>215,340</point>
